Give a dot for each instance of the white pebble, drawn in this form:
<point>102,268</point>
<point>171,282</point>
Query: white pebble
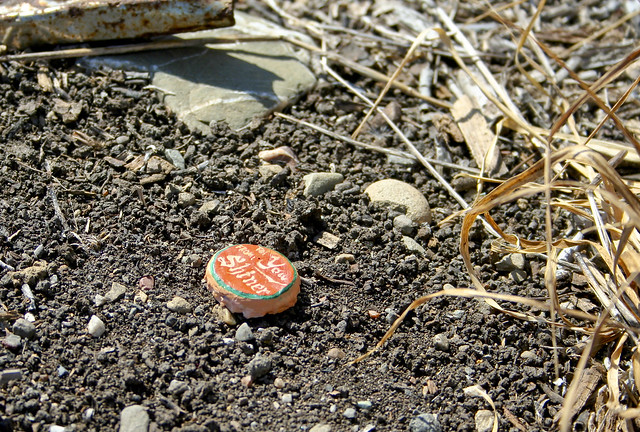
<point>96,327</point>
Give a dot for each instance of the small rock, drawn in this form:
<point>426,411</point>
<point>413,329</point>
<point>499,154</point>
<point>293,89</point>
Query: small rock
<point>319,183</point>
<point>157,165</point>
<point>247,381</point>
<point>369,428</point>
<point>522,203</point>
<point>88,414</point>
<point>518,276</point>
<point>179,305</point>
<point>350,413</point>
<point>266,337</point>
<point>326,239</point>
<point>24,329</point>
<point>441,342</point>
<point>116,292</point>
<point>511,262</point>
<point>364,405</point>
<point>259,366</point>
<point>12,342</point>
<point>140,297</point>
<point>224,315</point>
<point>62,371</point>
<point>484,421</point>
<point>269,170</point>
<point>425,423</point>
<point>278,383</point>
<point>122,139</point>
<point>10,375</point>
<point>186,199</point>
<point>287,398</point>
<point>99,300</point>
<point>210,207</point>
<point>39,251</point>
<point>391,316</point>
<point>171,191</point>
<point>336,353</point>
<point>96,327</point>
<point>413,246</point>
<point>56,428</point>
<point>134,418</point>
<point>244,333</point>
<point>345,258</point>
<point>404,224</point>
<point>321,427</point>
<point>177,387</point>
<point>402,197</point>
<point>175,157</point>
<point>529,355</point>
<point>30,275</point>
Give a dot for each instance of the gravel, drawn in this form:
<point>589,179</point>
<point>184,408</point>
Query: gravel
<point>244,333</point>
<point>96,327</point>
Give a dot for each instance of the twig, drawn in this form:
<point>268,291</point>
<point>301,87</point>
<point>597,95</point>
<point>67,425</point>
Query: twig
<point>56,208</point>
<point>599,33</point>
<point>373,147</point>
<point>412,148</point>
<point>422,36</point>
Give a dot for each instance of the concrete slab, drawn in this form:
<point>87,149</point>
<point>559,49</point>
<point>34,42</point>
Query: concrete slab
<point>233,83</point>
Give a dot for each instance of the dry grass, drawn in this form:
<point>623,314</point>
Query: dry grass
<point>577,179</point>
<point>575,176</point>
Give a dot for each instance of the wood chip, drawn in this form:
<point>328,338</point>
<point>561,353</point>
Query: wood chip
<point>477,134</point>
<point>588,383</point>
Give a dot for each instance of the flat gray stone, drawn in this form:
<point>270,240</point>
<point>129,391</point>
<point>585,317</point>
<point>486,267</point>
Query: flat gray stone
<point>269,170</point>
<point>210,207</point>
<point>134,418</point>
<point>400,196</point>
<point>350,413</point>
<point>319,183</point>
<point>233,82</point>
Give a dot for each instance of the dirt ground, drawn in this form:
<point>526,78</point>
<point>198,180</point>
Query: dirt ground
<point>68,204</point>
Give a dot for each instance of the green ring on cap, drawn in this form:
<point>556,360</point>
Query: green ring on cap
<point>224,285</point>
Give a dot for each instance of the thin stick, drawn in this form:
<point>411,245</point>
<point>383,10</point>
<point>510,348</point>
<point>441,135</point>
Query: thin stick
<point>599,33</point>
<point>372,147</point>
<point>422,36</point>
<point>484,70</point>
<point>412,149</point>
<point>186,43</point>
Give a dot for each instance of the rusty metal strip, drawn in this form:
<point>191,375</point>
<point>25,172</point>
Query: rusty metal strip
<point>30,23</point>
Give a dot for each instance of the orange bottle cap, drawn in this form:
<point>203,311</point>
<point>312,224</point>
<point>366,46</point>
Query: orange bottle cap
<point>252,280</point>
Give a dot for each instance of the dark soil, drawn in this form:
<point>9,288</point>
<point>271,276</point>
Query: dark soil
<point>116,225</point>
